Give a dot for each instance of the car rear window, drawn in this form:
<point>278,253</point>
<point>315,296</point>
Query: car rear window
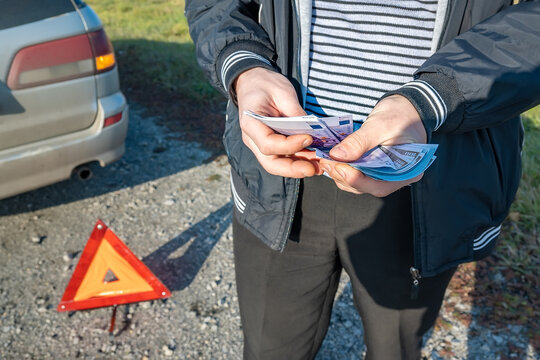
<point>15,13</point>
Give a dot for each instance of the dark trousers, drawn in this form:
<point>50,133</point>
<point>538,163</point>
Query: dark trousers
<point>286,298</point>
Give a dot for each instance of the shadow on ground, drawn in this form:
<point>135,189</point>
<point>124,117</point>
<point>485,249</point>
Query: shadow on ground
<point>177,273</point>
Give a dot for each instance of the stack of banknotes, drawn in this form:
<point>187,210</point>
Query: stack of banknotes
<point>388,163</point>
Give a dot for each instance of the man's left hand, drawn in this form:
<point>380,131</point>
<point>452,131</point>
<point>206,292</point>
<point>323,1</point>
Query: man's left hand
<point>393,121</point>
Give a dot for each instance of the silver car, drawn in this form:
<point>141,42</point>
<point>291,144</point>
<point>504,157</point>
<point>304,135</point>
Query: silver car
<point>60,101</point>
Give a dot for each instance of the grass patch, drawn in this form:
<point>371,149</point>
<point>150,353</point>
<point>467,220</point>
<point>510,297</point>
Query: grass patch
<point>158,69</point>
<point>520,248</point>
<point>153,47</point>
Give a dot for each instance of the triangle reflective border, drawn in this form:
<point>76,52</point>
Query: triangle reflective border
<point>107,274</point>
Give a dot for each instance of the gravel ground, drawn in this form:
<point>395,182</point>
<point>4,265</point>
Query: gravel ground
<point>169,201</point>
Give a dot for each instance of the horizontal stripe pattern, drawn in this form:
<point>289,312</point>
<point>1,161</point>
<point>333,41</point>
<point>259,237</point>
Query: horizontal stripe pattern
<point>361,49</point>
<point>237,57</point>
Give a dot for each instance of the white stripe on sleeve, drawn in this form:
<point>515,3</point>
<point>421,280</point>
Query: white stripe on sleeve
<point>430,100</point>
<point>234,58</point>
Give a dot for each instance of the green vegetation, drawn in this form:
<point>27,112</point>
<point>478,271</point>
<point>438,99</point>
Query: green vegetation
<point>153,47</point>
<point>520,248</point>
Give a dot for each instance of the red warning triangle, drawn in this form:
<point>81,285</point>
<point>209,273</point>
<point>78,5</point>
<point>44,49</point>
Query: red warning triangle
<point>108,273</point>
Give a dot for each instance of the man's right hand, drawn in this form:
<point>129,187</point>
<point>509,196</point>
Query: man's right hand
<point>270,94</point>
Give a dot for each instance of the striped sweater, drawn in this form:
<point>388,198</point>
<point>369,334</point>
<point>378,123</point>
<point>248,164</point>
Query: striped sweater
<point>361,49</point>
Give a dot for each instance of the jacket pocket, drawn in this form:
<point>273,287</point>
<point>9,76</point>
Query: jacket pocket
<point>467,194</point>
<point>263,202</point>
<point>506,144</point>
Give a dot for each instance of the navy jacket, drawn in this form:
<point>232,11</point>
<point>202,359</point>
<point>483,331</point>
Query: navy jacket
<point>486,69</point>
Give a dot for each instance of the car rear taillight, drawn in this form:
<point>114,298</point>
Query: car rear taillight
<point>61,60</point>
<point>103,51</point>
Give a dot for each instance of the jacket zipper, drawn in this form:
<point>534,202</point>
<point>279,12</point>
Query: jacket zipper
<point>415,273</point>
<point>296,181</point>
<point>415,269</point>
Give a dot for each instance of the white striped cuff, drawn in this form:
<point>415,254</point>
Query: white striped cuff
<point>235,58</point>
<point>433,98</point>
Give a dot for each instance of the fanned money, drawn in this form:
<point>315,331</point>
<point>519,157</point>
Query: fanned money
<point>322,136</point>
<point>388,163</point>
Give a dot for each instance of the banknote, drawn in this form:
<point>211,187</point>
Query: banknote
<point>340,126</point>
<point>384,162</point>
<point>378,165</point>
<point>375,158</point>
<point>299,125</point>
<point>418,165</point>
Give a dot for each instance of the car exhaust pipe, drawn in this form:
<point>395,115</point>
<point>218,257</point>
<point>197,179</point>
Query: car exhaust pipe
<point>83,172</point>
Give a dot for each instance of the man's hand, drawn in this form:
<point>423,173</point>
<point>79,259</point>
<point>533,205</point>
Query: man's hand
<point>394,120</point>
<point>271,94</point>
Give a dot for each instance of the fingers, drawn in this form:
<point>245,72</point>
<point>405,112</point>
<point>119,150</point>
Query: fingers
<point>271,94</point>
<point>347,188</point>
<point>295,166</point>
<point>352,180</point>
<point>352,147</point>
<point>289,167</point>
<point>270,143</point>
<point>310,156</point>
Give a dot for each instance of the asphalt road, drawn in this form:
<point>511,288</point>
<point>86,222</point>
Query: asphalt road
<point>170,202</point>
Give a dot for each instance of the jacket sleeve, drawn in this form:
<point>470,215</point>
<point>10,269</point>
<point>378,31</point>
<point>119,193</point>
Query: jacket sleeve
<point>485,76</point>
<point>228,39</point>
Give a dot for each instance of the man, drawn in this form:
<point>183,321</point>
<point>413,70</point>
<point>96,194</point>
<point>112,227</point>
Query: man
<point>402,67</point>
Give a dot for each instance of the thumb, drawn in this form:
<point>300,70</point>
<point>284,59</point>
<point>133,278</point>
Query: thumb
<point>352,147</point>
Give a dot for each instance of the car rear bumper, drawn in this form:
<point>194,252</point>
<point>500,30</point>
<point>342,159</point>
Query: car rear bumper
<point>31,166</point>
